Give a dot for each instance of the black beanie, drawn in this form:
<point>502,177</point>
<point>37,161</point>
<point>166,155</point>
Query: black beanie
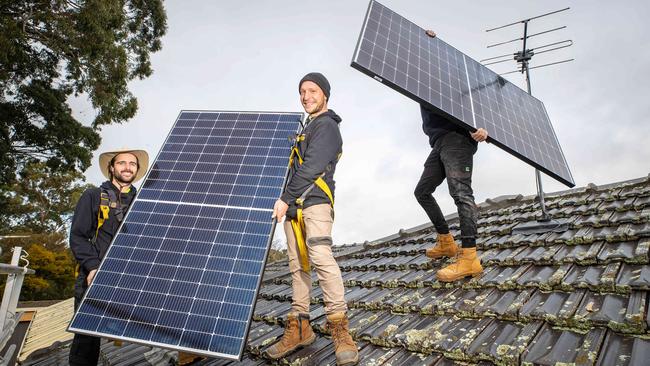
<point>320,80</point>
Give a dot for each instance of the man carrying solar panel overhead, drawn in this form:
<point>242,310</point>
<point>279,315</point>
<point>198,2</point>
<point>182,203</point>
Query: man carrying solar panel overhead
<point>308,202</point>
<point>96,219</point>
<point>451,157</point>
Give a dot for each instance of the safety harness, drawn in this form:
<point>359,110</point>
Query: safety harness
<point>298,224</point>
<point>107,201</point>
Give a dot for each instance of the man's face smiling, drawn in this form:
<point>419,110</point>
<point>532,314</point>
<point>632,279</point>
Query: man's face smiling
<point>125,167</point>
<point>312,98</point>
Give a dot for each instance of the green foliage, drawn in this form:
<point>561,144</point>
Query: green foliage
<point>51,50</point>
<point>37,206</point>
<point>53,263</point>
<point>54,278</point>
<point>40,201</point>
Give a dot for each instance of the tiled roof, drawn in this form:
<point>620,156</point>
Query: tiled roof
<point>574,295</point>
<point>578,294</point>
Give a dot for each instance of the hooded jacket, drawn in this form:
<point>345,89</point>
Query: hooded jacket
<point>320,151</point>
<point>435,126</point>
<point>84,226</point>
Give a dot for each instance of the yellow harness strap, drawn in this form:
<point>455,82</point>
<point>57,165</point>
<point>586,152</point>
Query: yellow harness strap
<point>298,224</point>
<point>105,205</point>
<point>102,213</point>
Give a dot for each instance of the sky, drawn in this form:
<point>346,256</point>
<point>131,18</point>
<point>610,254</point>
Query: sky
<point>250,55</point>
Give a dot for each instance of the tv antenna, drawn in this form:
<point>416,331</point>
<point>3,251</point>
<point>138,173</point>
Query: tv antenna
<point>523,58</point>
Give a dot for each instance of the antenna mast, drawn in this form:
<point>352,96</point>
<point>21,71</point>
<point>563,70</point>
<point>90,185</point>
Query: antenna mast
<point>523,58</point>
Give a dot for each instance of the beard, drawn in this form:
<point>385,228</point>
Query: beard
<point>315,108</point>
<point>120,178</point>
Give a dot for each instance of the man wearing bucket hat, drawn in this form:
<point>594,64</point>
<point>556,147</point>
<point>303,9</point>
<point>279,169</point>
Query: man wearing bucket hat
<point>96,220</point>
<point>308,202</point>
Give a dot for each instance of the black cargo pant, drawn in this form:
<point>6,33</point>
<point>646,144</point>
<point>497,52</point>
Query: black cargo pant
<point>451,157</point>
<point>85,349</point>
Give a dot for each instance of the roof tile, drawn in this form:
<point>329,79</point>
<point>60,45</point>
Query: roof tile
<point>633,277</point>
<point>407,358</point>
<point>372,355</point>
<point>382,332</point>
<point>555,307</point>
<point>642,202</point>
<point>463,302</point>
<point>629,251</point>
<point>503,304</point>
<point>448,335</point>
<point>582,254</point>
<point>505,257</point>
<point>597,278</point>
<point>621,313</point>
<point>503,341</point>
<point>554,346</point>
<point>544,277</point>
<point>504,278</point>
<point>537,255</point>
<point>620,350</point>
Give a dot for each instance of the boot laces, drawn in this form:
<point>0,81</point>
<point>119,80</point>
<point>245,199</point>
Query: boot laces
<point>458,258</point>
<point>340,334</point>
<point>456,261</point>
<point>293,326</point>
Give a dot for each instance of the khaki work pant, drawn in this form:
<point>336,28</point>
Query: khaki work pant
<point>318,233</point>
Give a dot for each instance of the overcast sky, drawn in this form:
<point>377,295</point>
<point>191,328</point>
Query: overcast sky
<point>250,55</point>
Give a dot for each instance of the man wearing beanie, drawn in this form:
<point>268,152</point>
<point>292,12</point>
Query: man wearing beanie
<point>451,157</point>
<point>310,194</point>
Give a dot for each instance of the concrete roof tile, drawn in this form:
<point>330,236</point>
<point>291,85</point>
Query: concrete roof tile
<point>503,341</point>
<point>621,350</point>
<point>554,346</point>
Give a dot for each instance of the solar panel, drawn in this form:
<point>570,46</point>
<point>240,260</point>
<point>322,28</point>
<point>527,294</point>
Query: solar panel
<point>399,54</point>
<point>184,270</point>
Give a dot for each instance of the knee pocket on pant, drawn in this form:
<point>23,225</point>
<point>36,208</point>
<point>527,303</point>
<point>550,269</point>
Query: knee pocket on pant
<point>320,240</point>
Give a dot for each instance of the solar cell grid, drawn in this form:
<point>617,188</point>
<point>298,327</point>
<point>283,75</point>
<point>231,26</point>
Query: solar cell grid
<point>184,269</point>
<point>399,54</point>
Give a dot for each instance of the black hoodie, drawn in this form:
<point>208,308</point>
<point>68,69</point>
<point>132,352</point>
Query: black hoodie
<point>320,150</point>
<point>435,126</point>
<point>84,226</point>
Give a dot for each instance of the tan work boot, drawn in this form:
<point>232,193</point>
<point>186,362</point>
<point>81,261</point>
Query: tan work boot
<point>445,247</point>
<point>467,264</point>
<point>185,358</point>
<point>344,346</point>
<point>297,333</point>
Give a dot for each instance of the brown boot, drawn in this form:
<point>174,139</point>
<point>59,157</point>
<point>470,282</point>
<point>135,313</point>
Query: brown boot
<point>467,264</point>
<point>297,333</point>
<point>185,358</point>
<point>445,247</point>
<point>345,348</point>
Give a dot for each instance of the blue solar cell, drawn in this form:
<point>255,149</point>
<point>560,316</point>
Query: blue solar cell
<point>166,335</point>
<point>139,330</point>
<point>184,269</point>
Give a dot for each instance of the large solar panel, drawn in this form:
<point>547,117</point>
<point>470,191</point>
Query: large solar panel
<point>399,54</point>
<point>184,269</point>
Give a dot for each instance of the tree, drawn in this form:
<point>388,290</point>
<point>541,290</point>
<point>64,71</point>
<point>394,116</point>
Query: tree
<point>54,277</point>
<point>51,50</point>
<point>40,201</point>
<point>39,206</point>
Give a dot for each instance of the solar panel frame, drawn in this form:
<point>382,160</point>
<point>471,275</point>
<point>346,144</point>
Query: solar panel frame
<point>461,109</point>
<point>267,246</point>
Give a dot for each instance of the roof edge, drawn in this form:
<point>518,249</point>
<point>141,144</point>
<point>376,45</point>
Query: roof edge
<point>506,200</point>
